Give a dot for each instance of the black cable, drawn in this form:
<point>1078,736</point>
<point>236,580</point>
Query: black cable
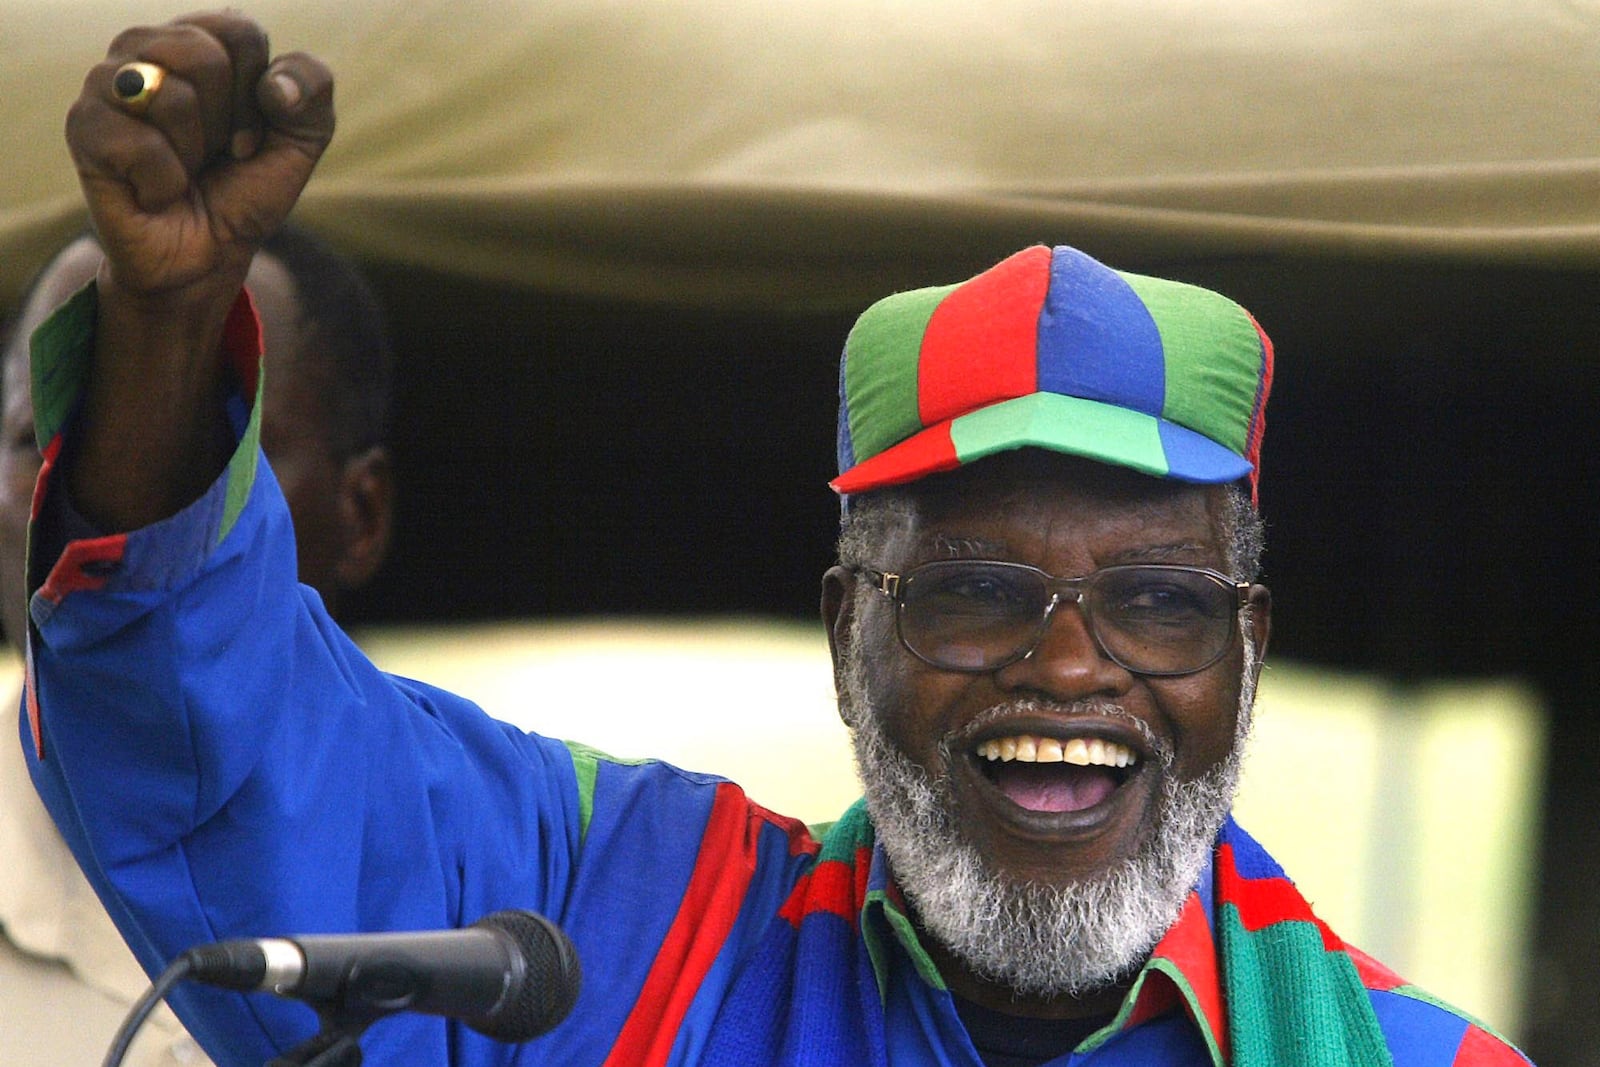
<point>176,972</point>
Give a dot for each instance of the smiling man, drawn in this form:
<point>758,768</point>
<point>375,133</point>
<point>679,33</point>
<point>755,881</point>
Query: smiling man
<point>1045,624</point>
<point>1047,632</point>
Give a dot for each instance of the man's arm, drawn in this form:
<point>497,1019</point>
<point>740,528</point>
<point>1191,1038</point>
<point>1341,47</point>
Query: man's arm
<point>181,196</point>
<point>220,758</point>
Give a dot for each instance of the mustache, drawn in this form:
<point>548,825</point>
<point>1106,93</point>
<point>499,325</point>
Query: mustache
<point>962,739</point>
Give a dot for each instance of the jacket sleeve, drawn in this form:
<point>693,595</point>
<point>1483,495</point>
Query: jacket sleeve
<point>224,762</point>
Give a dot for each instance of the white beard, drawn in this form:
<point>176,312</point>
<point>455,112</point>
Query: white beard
<point>1038,940</point>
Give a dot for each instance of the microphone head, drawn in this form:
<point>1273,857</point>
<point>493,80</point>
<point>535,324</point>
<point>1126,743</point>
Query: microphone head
<point>548,987</point>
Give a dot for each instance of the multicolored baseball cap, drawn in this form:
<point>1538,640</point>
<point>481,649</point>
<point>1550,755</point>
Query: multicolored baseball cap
<point>1052,349</point>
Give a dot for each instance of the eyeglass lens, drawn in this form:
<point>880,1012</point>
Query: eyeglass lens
<point>976,615</point>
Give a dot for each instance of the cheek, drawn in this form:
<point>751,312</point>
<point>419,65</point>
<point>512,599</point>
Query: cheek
<point>19,469</point>
<point>1204,716</point>
<point>882,680</point>
<point>913,702</point>
<point>918,706</point>
<point>311,500</point>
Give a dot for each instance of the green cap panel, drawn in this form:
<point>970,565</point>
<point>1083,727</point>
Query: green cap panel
<point>881,365</point>
<point>1063,424</point>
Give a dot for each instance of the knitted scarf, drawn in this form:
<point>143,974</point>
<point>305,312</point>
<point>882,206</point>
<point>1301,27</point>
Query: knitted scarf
<point>1292,990</point>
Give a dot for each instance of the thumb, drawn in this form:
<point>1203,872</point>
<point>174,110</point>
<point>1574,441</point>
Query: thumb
<point>295,95</point>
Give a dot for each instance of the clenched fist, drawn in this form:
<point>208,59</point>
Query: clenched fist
<point>184,181</point>
<point>191,143</point>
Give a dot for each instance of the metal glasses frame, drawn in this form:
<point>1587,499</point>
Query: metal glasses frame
<point>1060,589</point>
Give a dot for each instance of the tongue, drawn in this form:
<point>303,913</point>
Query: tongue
<point>1054,786</point>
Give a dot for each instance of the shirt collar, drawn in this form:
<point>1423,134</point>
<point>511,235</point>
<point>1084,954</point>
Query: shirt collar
<point>1182,970</point>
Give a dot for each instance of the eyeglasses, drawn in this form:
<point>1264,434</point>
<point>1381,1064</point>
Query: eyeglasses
<point>980,615</point>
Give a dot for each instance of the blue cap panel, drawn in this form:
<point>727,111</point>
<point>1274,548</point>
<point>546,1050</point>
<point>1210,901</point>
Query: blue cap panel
<point>1096,338</point>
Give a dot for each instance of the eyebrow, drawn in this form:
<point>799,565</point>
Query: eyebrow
<point>948,547</point>
<point>1180,551</point>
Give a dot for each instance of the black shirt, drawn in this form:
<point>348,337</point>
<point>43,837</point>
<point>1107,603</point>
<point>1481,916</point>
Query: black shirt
<point>1022,1041</point>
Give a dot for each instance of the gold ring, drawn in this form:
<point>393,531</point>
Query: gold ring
<point>135,83</point>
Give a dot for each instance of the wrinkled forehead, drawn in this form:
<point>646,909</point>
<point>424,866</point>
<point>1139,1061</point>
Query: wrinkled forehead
<point>1032,474</point>
<point>1021,495</point>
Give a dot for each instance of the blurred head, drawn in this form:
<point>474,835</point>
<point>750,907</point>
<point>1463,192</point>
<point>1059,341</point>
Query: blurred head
<point>1045,624</point>
<point>328,368</point>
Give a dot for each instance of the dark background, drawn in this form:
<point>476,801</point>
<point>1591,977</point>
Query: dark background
<point>1430,485</point>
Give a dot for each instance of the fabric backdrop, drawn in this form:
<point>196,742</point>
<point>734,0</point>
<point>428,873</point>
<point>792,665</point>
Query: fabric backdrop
<point>711,152</point>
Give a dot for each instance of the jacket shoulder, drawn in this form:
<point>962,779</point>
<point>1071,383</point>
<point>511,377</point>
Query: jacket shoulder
<point>1422,1029</point>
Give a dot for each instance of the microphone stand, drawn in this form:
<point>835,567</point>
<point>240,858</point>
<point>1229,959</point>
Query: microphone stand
<point>322,1051</point>
<point>337,1045</point>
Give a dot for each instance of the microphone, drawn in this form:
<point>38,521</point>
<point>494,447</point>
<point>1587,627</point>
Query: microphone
<point>511,975</point>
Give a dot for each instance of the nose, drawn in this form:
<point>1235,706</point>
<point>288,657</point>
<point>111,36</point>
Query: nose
<point>1065,663</point>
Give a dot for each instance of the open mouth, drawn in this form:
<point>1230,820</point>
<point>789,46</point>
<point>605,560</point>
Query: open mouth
<point>1048,774</point>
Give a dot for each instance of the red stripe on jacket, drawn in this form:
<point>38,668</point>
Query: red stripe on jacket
<point>705,917</point>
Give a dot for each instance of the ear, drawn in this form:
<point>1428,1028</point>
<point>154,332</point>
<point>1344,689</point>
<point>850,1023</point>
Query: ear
<point>838,611</point>
<point>366,515</point>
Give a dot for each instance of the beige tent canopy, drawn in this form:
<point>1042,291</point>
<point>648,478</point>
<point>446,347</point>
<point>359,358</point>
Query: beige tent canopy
<point>727,151</point>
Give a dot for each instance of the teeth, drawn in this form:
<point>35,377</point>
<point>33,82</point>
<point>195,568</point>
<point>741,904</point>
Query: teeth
<point>1085,752</point>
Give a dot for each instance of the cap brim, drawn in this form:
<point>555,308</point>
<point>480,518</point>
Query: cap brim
<point>1059,423</point>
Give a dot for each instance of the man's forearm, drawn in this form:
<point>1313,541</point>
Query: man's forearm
<point>183,181</point>
<point>154,432</point>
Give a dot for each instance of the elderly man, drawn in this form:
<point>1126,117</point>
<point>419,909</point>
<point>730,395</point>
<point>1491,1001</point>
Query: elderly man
<point>66,978</point>
<point>1044,621</point>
